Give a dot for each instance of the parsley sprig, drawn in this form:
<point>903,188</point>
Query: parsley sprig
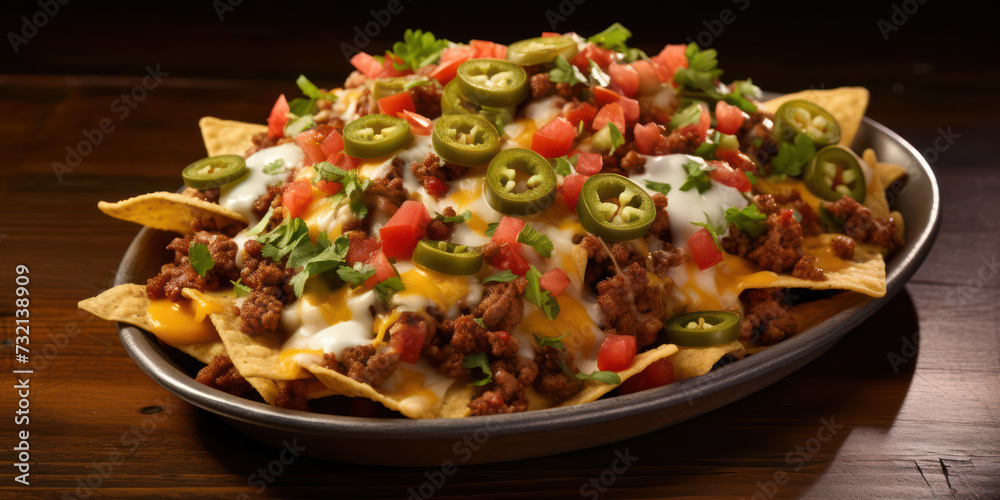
<point>564,72</point>
<point>541,243</point>
<point>749,219</point>
<point>792,156</point>
<point>354,186</point>
<point>698,177</point>
<point>303,106</point>
<point>200,258</point>
<point>418,49</point>
<point>543,299</point>
<point>479,360</point>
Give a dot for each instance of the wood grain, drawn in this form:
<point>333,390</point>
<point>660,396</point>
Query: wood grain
<point>913,394</point>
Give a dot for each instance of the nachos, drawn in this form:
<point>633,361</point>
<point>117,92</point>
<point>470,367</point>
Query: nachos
<point>473,229</point>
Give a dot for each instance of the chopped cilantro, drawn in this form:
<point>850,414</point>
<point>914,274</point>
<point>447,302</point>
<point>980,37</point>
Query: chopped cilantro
<point>749,219</point>
<point>553,342</point>
<point>254,231</point>
<point>291,239</point>
<point>389,287</point>
<point>702,71</point>
<point>276,167</point>
<point>201,258</point>
<point>564,72</point>
<point>479,321</point>
<point>504,276</point>
<point>356,275</point>
<point>241,289</point>
<point>565,165</point>
<point>750,175</point>
<point>605,377</point>
<point>793,155</point>
<point>543,299</point>
<point>491,228</point>
<point>479,360</point>
<point>714,229</point>
<point>617,140</point>
<point>614,38</point>
<point>598,78</point>
<point>307,105</point>
<point>698,177</point>
<point>686,116</point>
<point>298,122</point>
<point>659,187</point>
<point>541,243</point>
<point>460,218</point>
<point>418,49</point>
<point>354,187</point>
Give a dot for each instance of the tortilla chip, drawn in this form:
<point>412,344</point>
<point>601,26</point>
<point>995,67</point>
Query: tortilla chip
<point>875,199</point>
<point>593,390</point>
<point>695,361</point>
<point>846,104</point>
<point>170,212</point>
<point>866,277</point>
<point>228,137</point>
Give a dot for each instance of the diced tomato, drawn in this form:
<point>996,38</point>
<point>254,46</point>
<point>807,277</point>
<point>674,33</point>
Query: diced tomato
<point>589,164</point>
<point>649,79</point>
<point>457,53</point>
<point>383,269</point>
<point>394,104</point>
<point>407,340</point>
<point>507,231</point>
<point>278,118</point>
<point>343,161</point>
<point>404,229</point>
<point>670,59</point>
<point>333,143</point>
<point>602,57</point>
<point>736,159</point>
<point>389,67</point>
<point>554,139</point>
<point>703,249</point>
<point>310,141</point>
<point>704,122</point>
<point>631,109</point>
<point>659,372</point>
<point>366,64</point>
<point>434,186</point>
<point>549,34</point>
<point>507,258</point>
<point>554,281</point>
<point>787,216</point>
<point>362,250</point>
<point>571,187</point>
<point>728,118</point>
<point>604,95</point>
<point>625,77</point>
<point>610,113</point>
<point>329,187</point>
<point>577,112</point>
<point>419,124</point>
<point>648,138</point>
<point>447,70</point>
<point>484,49</point>
<point>617,353</point>
<point>729,176</point>
<point>296,197</point>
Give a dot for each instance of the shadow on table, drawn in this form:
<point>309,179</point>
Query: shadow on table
<point>779,440</point>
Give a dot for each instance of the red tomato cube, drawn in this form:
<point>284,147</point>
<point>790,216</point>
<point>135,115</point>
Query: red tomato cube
<point>278,119</point>
<point>296,197</point>
<point>616,353</point>
<point>396,103</point>
<point>703,250</point>
<point>554,139</point>
<point>554,281</point>
<point>404,229</point>
<point>571,187</point>
<point>658,373</point>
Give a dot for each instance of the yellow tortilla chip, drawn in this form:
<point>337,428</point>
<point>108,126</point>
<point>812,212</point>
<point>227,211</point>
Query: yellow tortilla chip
<point>170,212</point>
<point>593,390</point>
<point>846,104</point>
<point>228,137</point>
<point>695,361</point>
<point>866,277</point>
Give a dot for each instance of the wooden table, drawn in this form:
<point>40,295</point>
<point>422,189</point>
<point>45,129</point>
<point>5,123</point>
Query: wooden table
<point>906,406</point>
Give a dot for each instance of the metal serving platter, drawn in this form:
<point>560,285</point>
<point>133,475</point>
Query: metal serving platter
<point>545,432</point>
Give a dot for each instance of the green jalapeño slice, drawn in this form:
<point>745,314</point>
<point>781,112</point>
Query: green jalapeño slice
<point>214,171</point>
<point>834,172</point>
<point>448,258</point>
<point>467,140</point>
<point>454,103</point>
<point>519,182</point>
<point>492,82</point>
<point>703,328</point>
<point>614,207</point>
<point>376,135</point>
<point>540,50</point>
<point>803,117</point>
<point>385,87</point>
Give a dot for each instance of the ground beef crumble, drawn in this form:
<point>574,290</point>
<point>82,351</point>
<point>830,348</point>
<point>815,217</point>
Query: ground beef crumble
<point>222,375</point>
<point>661,223</point>
<point>270,291</point>
<point>364,363</point>
<point>501,307</point>
<point>178,275</point>
<point>861,225</point>
<point>843,246</point>
<point>630,305</point>
<point>427,99</point>
<point>780,248</point>
<point>293,394</point>
<point>440,230</point>
<point>552,379</point>
<point>765,319</point>
<point>386,194</point>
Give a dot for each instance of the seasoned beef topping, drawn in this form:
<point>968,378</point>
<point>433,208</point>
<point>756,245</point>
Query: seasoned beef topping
<point>630,305</point>
<point>364,363</point>
<point>861,225</point>
<point>780,248</point>
<point>766,319</point>
<point>222,375</point>
<point>501,308</point>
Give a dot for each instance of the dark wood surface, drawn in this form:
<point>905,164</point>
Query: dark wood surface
<point>913,394</point>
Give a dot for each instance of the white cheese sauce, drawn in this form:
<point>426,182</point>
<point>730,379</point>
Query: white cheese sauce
<point>240,196</point>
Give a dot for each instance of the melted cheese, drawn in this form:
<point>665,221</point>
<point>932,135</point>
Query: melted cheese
<point>240,196</point>
<point>420,386</point>
<point>183,323</point>
<point>426,288</point>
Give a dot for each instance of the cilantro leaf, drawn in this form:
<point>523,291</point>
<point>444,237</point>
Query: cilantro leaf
<point>479,360</point>
<point>702,71</point>
<point>698,177</point>
<point>504,276</point>
<point>605,377</point>
<point>241,289</point>
<point>354,186</point>
<point>418,49</point>
<point>714,229</point>
<point>614,38</point>
<point>298,121</point>
<point>617,140</point>
<point>356,275</point>
<point>793,155</point>
<point>479,321</point>
<point>541,243</point>
<point>201,258</point>
<point>460,218</point>
<point>491,228</point>
<point>543,299</point>
<point>565,165</point>
<point>285,238</point>
<point>276,167</point>
<point>389,287</point>
<point>750,175</point>
<point>749,219</point>
<point>310,90</point>
<point>254,231</point>
<point>564,72</point>
<point>686,116</point>
<point>598,78</point>
<point>305,106</point>
<point>553,342</point>
<point>291,239</point>
<point>659,187</point>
